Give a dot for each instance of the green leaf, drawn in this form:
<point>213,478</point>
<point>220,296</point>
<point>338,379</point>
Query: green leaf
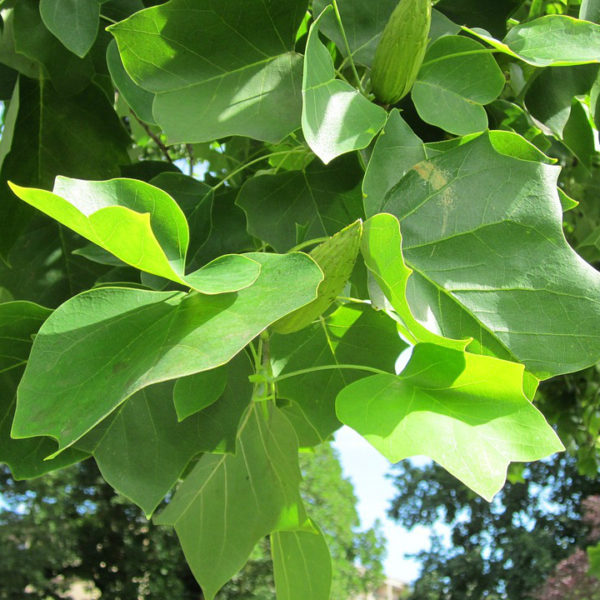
<point>295,206</point>
<point>552,40</point>
<point>264,473</point>
<point>335,257</point>
<point>73,22</point>
<point>441,25</point>
<point>336,118</point>
<point>91,147</point>
<point>457,77</point>
<point>141,225</point>
<point>102,346</point>
<point>196,392</point>
<point>196,201</point>
<point>142,449</point>
<point>382,251</point>
<point>489,15</point>
<point>19,322</point>
<point>352,335</point>
<point>139,100</point>
<point>579,136</point>
<point>363,24</point>
<point>491,265</point>
<point>397,149</point>
<point>8,53</point>
<point>69,73</point>
<point>240,77</point>
<point>228,229</point>
<point>550,94</point>
<point>301,564</point>
<point>465,411</point>
<point>590,10</point>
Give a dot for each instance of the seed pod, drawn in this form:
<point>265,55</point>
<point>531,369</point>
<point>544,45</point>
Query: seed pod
<point>336,257</point>
<point>401,50</point>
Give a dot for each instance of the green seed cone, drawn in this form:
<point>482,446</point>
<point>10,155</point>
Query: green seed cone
<point>401,50</point>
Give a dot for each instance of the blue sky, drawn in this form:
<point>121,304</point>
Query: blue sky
<point>366,468</point>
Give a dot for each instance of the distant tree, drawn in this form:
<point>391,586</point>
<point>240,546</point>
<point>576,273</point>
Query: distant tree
<point>497,551</point>
<point>98,536</point>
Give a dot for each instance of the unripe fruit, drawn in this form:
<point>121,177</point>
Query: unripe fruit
<point>401,50</point>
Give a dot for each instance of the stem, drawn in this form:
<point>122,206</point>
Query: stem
<point>156,139</point>
<point>329,368</point>
<point>108,19</point>
<point>354,300</point>
<point>351,60</point>
<point>253,162</point>
<point>190,153</point>
<point>312,242</point>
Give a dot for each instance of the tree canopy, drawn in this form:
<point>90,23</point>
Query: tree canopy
<point>193,332</point>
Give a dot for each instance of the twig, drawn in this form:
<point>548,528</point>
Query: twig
<point>154,137</point>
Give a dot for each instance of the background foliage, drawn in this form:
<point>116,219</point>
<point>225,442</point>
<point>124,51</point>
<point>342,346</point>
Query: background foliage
<point>191,332</point>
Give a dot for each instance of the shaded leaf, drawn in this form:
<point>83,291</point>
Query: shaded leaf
<point>240,77</point>
<point>68,72</point>
<point>457,77</point>
<point>91,147</point>
<point>295,206</point>
<point>397,149</point>
<point>264,472</point>
<point>73,22</point>
<point>550,94</point>
<point>142,449</point>
<point>336,118</point>
<point>490,14</point>
<point>301,564</point>
<point>196,392</point>
<point>139,100</point>
<point>352,335</point>
<point>579,136</point>
<point>363,23</point>
<point>465,411</point>
<point>102,346</point>
<point>19,322</point>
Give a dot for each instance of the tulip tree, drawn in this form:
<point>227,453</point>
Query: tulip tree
<point>193,332</point>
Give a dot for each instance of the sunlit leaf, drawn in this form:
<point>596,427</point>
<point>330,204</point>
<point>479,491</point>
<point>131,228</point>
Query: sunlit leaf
<point>552,40</point>
<point>467,412</point>
<point>141,225</point>
<point>336,118</point>
<point>487,262</point>
<point>102,346</point>
<point>239,77</point>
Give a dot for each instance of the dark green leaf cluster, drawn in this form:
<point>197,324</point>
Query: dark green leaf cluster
<point>200,333</point>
